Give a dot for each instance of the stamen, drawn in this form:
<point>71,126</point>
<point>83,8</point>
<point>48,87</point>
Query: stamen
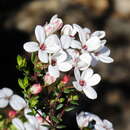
<point>82,83</point>
<point>42,47</point>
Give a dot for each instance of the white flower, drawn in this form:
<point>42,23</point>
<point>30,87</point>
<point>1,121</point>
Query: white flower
<point>82,119</point>
<point>15,101</point>
<point>86,81</point>
<point>51,44</point>
<point>51,75</point>
<point>54,25</point>
<point>91,44</point>
<point>101,55</point>
<point>105,125</point>
<point>59,61</point>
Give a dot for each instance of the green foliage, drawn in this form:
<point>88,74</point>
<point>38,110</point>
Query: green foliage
<point>23,83</point>
<point>69,108</point>
<point>59,106</point>
<point>61,126</point>
<point>21,61</point>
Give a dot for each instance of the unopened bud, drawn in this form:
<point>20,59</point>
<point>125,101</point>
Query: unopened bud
<point>36,88</point>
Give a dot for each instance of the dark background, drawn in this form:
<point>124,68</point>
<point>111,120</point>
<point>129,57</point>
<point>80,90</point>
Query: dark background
<point>18,19</point>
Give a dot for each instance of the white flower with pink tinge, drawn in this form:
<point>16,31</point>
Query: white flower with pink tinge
<point>88,44</point>
<point>45,45</point>
<point>85,81</point>
<point>51,75</point>
<point>15,101</point>
<point>54,25</point>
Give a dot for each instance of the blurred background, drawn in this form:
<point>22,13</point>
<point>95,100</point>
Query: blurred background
<point>18,19</point>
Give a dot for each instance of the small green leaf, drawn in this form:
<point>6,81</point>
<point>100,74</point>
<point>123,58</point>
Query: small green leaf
<point>74,102</point>
<point>19,60</point>
<point>33,57</point>
<point>75,97</point>
<point>67,109</point>
<point>55,119</point>
<point>59,106</point>
<point>25,81</point>
<point>20,82</point>
<point>61,126</point>
<point>61,100</point>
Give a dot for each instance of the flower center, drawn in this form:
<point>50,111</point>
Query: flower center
<point>82,83</point>
<point>53,62</point>
<point>42,47</point>
<point>97,53</point>
<point>85,47</point>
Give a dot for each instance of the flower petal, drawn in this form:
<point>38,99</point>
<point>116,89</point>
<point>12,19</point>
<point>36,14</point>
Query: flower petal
<point>77,74</point>
<point>3,102</point>
<point>53,18</point>
<point>100,34</point>
<point>64,66</point>
<point>7,91</point>
<point>107,124</point>
<point>17,102</point>
<point>94,80</point>
<point>90,92</point>
<point>75,44</point>
<point>31,47</point>
<point>65,41</point>
<point>104,51</point>
<point>77,86</point>
<point>81,32</point>
<point>28,126</point>
<point>43,56</point>
<point>52,44</point>
<point>18,123</point>
<point>93,43</point>
<point>53,71</point>
<point>40,34</point>
<point>87,74</point>
<point>105,59</point>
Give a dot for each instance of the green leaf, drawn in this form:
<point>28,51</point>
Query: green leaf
<point>55,119</point>
<point>33,57</point>
<point>59,106</point>
<point>67,109</point>
<point>61,126</point>
<point>61,100</point>
<point>20,82</point>
<point>74,102</point>
<point>19,60</point>
<point>25,81</point>
<point>75,97</point>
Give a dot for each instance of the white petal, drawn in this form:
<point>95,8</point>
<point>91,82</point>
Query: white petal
<point>93,43</point>
<point>3,102</point>
<point>77,74</point>
<point>52,44</point>
<point>32,120</point>
<point>53,71</point>
<point>82,65</point>
<point>28,126</point>
<point>17,102</point>
<point>7,91</point>
<point>43,128</point>
<point>86,57</point>
<point>43,56</point>
<point>53,18</point>
<point>64,66</point>
<point>104,51</point>
<point>77,86</point>
<point>67,29</point>
<point>82,36</point>
<point>87,74</point>
<point>100,34</point>
<point>105,59</point>
<point>40,34</point>
<point>2,95</point>
<point>66,41</point>
<point>75,44</point>
<point>31,46</point>
<point>99,127</point>
<point>107,123</point>
<point>18,123</point>
<point>90,92</point>
<point>60,56</point>
<point>94,80</point>
<point>95,60</point>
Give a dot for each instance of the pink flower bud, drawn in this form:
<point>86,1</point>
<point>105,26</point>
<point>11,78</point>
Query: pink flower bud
<point>65,79</point>
<point>36,88</point>
<point>12,113</point>
<point>39,119</point>
<point>58,23</point>
<point>49,79</point>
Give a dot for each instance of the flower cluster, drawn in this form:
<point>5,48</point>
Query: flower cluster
<point>86,119</point>
<point>75,49</point>
<point>59,53</point>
